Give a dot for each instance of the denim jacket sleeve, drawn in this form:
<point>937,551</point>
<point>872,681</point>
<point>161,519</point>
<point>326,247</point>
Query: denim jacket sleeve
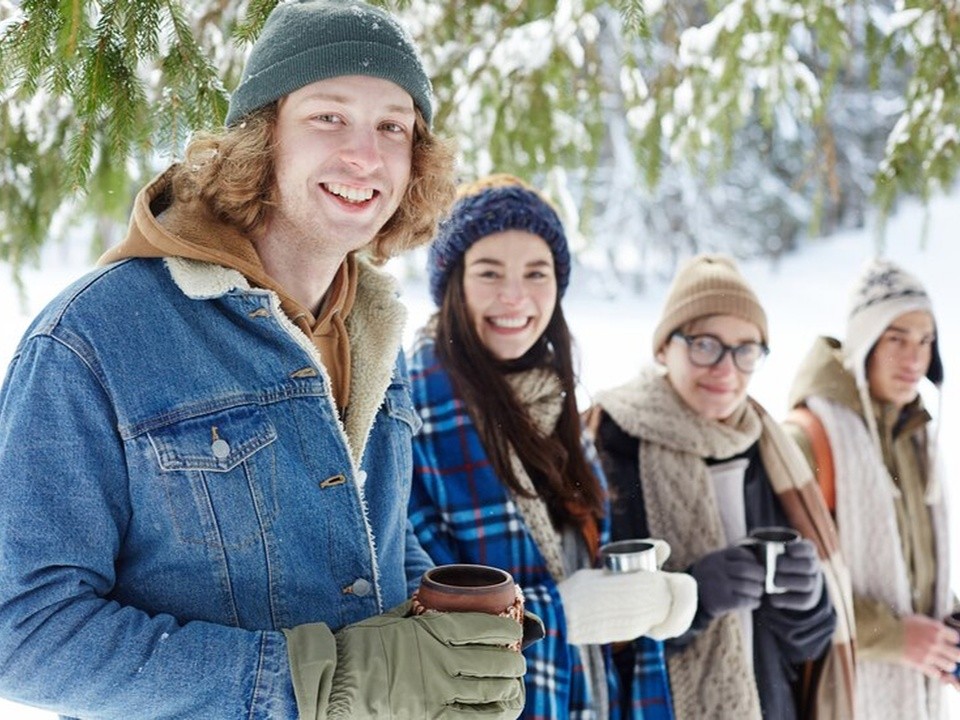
<point>64,510</point>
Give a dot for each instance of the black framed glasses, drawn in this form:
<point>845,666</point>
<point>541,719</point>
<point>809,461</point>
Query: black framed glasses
<point>708,350</point>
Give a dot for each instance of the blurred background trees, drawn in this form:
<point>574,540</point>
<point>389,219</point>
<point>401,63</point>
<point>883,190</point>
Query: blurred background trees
<point>659,128</point>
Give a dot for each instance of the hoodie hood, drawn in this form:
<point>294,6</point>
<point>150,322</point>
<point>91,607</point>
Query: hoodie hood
<point>162,226</point>
<point>822,373</point>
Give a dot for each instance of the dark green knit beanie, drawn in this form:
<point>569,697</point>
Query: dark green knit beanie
<point>311,40</point>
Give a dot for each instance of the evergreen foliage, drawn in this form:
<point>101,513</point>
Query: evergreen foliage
<point>659,126</point>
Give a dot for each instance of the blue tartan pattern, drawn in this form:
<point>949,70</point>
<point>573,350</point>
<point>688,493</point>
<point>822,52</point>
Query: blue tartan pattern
<point>461,512</point>
<point>650,697</point>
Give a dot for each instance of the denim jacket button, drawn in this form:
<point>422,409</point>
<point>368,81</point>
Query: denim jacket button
<point>361,587</point>
<point>220,448</point>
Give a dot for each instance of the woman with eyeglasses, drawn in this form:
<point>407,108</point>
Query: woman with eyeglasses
<point>691,458</point>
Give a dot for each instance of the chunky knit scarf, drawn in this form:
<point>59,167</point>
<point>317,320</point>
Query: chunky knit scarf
<point>539,391</point>
<point>713,677</point>
<point>871,544</point>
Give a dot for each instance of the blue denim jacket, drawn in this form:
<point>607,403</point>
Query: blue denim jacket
<point>176,487</point>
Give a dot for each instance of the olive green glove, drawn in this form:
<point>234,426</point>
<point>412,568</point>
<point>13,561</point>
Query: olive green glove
<point>438,665</point>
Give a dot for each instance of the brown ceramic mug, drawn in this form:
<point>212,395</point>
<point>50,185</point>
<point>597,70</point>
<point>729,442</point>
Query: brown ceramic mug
<point>469,588</point>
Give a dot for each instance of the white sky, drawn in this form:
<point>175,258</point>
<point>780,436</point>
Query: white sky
<point>805,295</point>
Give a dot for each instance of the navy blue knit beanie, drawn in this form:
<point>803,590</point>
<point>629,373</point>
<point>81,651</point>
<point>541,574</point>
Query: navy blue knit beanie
<point>310,40</point>
<point>491,211</point>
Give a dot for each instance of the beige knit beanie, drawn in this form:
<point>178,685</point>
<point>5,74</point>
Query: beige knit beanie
<point>708,285</point>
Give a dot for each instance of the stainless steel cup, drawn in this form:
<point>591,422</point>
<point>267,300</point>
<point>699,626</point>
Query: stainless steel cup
<point>770,543</point>
<point>629,556</point>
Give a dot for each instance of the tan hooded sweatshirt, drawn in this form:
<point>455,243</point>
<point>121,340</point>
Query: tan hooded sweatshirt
<point>163,227</point>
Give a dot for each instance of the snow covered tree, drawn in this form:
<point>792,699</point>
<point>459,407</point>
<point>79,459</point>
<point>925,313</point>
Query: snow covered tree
<point>660,127</point>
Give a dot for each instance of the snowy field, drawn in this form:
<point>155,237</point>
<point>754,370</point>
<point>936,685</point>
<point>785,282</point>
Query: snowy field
<point>805,295</point>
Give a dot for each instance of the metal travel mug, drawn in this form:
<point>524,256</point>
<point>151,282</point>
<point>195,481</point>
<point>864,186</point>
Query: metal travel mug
<point>770,543</point>
<point>629,556</point>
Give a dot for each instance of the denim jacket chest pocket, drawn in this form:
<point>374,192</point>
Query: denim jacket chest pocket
<point>399,408</point>
<point>218,472</point>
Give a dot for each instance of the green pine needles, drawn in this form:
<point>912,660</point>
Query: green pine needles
<point>817,101</point>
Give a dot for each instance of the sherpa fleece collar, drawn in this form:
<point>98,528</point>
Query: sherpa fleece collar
<point>374,328</point>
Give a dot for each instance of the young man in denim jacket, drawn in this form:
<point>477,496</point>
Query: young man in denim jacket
<point>205,456</point>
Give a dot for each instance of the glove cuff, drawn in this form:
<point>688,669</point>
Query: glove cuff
<point>683,592</point>
<point>312,653</point>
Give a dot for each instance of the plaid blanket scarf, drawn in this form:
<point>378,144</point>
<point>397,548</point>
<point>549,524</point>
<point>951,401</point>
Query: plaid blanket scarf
<point>461,512</point>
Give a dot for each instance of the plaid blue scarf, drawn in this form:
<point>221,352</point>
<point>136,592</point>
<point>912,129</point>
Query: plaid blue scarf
<point>462,513</point>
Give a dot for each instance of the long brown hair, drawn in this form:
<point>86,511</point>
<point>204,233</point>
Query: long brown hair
<point>555,463</point>
<point>233,173</point>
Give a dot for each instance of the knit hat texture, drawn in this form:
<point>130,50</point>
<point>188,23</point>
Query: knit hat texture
<point>708,285</point>
<point>883,292</point>
<point>490,211</point>
<point>310,40</point>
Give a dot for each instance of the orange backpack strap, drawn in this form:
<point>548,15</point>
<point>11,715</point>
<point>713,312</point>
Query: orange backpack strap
<point>804,418</point>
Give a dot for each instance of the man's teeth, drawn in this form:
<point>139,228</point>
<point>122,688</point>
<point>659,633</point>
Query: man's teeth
<point>509,322</point>
<point>350,193</point>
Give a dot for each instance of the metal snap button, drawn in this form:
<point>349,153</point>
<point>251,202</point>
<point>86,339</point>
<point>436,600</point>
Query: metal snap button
<point>361,587</point>
<point>220,448</point>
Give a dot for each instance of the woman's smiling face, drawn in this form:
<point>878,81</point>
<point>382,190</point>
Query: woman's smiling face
<point>510,290</point>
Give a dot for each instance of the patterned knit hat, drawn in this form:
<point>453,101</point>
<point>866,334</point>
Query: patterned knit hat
<point>491,210</point>
<point>308,40</point>
<point>708,285</point>
<point>882,293</point>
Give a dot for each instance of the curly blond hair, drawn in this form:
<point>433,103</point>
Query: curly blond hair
<point>233,173</point>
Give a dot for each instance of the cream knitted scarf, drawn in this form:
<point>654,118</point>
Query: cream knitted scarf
<point>712,678</point>
<point>870,539</point>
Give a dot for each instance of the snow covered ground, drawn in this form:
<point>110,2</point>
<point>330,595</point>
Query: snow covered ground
<point>805,294</point>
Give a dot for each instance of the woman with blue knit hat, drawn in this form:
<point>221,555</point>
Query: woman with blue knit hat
<point>503,474</point>
<point>206,449</point>
<point>858,416</point>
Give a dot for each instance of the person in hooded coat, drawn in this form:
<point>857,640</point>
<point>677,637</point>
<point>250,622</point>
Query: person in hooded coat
<point>859,418</point>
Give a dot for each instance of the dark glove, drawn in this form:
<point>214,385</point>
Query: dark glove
<point>799,573</point>
<point>727,580</point>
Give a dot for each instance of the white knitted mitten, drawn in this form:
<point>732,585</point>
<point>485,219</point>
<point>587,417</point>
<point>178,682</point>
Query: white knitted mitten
<point>602,607</point>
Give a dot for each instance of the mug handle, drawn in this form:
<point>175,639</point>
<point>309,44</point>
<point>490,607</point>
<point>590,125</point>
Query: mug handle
<point>771,582</point>
<point>661,547</point>
<point>770,586</point>
<point>533,629</point>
